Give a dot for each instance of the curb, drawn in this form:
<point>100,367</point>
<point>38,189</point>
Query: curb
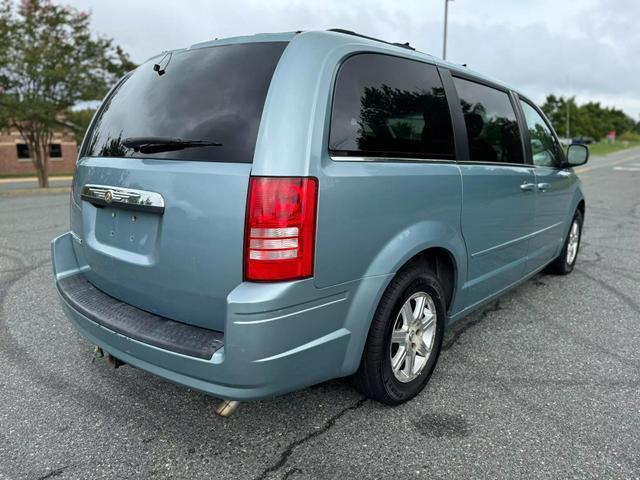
<point>21,192</point>
<point>33,179</point>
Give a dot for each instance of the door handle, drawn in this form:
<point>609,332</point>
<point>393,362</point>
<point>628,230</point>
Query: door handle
<point>527,187</point>
<point>543,186</point>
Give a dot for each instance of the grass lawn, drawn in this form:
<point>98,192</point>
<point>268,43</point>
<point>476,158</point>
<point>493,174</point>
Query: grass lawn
<point>604,148</point>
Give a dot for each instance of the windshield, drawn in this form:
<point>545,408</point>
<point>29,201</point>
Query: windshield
<point>211,96</point>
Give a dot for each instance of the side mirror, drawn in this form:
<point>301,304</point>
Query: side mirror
<point>577,154</point>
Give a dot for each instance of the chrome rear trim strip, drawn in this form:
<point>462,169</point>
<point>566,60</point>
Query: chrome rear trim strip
<point>127,198</point>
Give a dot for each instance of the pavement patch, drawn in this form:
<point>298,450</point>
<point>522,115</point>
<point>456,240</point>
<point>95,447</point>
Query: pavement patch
<point>440,425</point>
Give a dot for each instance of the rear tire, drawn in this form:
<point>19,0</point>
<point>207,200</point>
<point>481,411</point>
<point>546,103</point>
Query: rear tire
<point>563,265</point>
<point>410,316</point>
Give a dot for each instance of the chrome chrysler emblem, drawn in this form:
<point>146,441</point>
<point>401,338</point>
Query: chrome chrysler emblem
<point>108,197</point>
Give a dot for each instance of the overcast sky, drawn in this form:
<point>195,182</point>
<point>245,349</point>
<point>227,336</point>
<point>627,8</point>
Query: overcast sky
<point>589,48</point>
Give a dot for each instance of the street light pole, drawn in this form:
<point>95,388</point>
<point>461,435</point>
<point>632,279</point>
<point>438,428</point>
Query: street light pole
<point>568,119</point>
<point>446,18</point>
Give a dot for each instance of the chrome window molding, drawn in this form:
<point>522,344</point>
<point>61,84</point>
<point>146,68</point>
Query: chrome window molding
<point>349,158</point>
<point>495,164</point>
<point>126,198</point>
<point>550,167</point>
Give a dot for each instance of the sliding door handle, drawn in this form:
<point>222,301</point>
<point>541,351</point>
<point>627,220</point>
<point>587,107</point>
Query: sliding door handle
<point>527,187</point>
<point>543,186</point>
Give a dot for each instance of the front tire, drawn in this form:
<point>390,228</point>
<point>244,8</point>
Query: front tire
<point>405,337</point>
<point>563,265</point>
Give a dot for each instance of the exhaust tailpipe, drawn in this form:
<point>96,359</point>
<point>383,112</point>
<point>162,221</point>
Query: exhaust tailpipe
<point>226,408</point>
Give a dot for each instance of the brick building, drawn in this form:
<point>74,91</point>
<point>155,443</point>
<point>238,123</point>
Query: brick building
<point>15,157</point>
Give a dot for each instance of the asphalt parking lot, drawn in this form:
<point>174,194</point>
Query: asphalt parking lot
<point>544,383</point>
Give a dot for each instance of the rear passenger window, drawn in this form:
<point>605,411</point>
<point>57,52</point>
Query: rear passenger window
<point>492,128</point>
<point>390,106</point>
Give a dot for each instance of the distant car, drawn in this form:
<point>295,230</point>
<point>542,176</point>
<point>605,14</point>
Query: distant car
<point>582,141</point>
<point>254,215</point>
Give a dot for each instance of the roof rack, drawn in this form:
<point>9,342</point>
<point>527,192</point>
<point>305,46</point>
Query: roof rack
<point>349,32</point>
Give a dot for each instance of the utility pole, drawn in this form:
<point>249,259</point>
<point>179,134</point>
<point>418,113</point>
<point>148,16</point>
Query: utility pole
<point>568,119</point>
<point>446,18</point>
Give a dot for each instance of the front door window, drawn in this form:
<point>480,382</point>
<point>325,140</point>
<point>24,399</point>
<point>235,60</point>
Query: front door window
<point>545,149</point>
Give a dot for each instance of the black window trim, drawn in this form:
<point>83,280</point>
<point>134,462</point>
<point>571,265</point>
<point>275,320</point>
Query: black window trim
<point>477,79</point>
<point>457,118</point>
<point>522,98</point>
<point>463,128</point>
<point>85,140</point>
<point>392,157</point>
<point>522,127</point>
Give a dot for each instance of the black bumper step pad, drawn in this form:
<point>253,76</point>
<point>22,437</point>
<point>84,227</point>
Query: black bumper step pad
<point>138,324</point>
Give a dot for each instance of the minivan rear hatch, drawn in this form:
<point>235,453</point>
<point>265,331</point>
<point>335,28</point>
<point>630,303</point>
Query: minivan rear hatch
<point>163,175</point>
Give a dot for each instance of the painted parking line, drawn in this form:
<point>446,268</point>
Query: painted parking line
<point>628,169</point>
<point>609,164</point>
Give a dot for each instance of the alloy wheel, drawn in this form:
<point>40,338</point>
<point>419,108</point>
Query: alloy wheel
<point>413,336</point>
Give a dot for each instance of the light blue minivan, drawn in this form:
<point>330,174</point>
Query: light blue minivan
<point>258,214</point>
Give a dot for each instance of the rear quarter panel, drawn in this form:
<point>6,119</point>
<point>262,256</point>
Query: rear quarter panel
<point>372,216</point>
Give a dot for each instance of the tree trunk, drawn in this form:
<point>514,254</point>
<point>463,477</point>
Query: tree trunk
<point>39,154</point>
<point>37,137</point>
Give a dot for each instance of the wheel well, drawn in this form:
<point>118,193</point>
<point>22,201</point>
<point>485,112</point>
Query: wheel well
<point>581,207</point>
<point>441,262</point>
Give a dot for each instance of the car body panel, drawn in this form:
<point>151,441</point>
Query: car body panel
<point>374,215</point>
<point>554,193</point>
<point>278,336</point>
<point>180,264</point>
<point>497,219</point>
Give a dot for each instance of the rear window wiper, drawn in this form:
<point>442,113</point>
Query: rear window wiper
<point>164,144</point>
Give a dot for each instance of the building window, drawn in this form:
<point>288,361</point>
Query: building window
<point>23,150</point>
<point>55,150</point>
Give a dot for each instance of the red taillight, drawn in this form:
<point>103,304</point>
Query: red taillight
<point>280,230</point>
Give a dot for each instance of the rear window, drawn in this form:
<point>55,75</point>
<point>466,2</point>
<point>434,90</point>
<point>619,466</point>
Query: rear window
<point>213,94</point>
<point>390,106</point>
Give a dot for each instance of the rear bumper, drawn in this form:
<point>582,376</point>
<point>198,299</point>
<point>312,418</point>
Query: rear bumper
<point>278,337</point>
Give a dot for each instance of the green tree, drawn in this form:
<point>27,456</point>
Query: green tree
<point>557,109</point>
<point>78,121</point>
<point>50,62</point>
<point>588,120</point>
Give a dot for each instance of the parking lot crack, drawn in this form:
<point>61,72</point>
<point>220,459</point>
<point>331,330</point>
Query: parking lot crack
<point>287,452</point>
<point>617,292</point>
<point>55,473</point>
<point>456,333</point>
